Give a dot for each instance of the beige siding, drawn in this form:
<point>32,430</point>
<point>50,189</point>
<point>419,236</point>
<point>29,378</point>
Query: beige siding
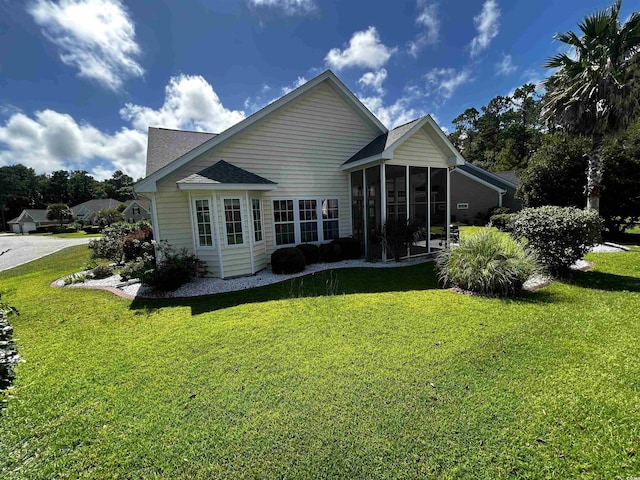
<point>419,150</point>
<point>300,147</point>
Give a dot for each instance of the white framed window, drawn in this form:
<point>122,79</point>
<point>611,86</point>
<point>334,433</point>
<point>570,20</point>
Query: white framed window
<point>308,214</point>
<point>330,222</point>
<point>233,221</point>
<point>284,221</point>
<point>202,210</point>
<point>302,220</point>
<point>257,219</point>
<point>462,206</point>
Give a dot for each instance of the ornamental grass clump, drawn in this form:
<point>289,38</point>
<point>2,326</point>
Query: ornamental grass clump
<point>489,263</point>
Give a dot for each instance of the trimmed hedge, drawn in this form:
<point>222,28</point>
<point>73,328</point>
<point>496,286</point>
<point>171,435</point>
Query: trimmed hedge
<point>559,236</point>
<point>330,252</point>
<point>287,260</point>
<point>349,247</point>
<point>310,251</point>
<point>502,221</point>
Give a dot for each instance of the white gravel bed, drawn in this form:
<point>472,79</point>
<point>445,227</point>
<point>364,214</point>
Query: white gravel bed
<point>209,286</point>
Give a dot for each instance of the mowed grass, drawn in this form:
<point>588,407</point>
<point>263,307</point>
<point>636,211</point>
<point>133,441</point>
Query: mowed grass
<point>395,378</point>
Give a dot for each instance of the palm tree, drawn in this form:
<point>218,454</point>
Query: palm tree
<point>596,87</point>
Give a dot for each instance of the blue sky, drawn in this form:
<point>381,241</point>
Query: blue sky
<point>81,80</point>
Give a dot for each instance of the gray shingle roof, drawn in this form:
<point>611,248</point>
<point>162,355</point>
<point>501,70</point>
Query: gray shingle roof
<point>382,142</point>
<point>165,145</point>
<point>38,215</point>
<point>97,205</point>
<point>509,175</point>
<point>487,176</point>
<point>224,172</point>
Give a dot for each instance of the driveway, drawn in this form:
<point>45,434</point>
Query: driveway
<point>18,249</point>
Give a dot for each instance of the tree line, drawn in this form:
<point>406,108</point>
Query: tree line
<point>21,188</point>
<point>578,142</point>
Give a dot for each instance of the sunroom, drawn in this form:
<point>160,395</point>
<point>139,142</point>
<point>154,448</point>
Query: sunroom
<point>403,176</point>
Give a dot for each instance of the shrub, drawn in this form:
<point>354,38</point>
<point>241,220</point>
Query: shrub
<point>559,236</point>
<point>502,221</point>
<point>175,269</point>
<point>397,234</point>
<point>350,247</point>
<point>8,354</point>
<point>489,263</point>
<point>310,251</point>
<point>110,245</point>
<point>330,252</point>
<point>137,244</point>
<point>287,260</point>
<point>90,229</point>
<point>107,217</point>
<point>498,211</point>
<point>101,271</point>
<point>137,268</point>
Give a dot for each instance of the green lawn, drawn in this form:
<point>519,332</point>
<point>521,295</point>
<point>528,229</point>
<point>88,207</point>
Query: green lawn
<point>394,379</point>
<point>80,234</point>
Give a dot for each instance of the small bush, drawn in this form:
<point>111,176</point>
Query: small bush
<point>502,221</point>
<point>175,269</point>
<point>310,251</point>
<point>287,260</point>
<point>350,247</point>
<point>397,235</point>
<point>101,271</point>
<point>498,211</point>
<point>330,252</point>
<point>137,244</point>
<point>110,246</point>
<point>91,229</point>
<point>489,263</point>
<point>8,354</point>
<point>559,236</point>
<point>137,268</point>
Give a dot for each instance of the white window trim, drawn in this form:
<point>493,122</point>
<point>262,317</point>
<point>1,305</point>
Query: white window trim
<point>194,222</point>
<point>296,219</point>
<point>462,206</point>
<point>244,243</point>
<point>257,242</point>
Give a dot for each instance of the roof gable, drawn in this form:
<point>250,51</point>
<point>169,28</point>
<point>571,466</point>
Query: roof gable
<point>385,145</point>
<point>149,183</point>
<point>224,173</point>
<point>96,205</point>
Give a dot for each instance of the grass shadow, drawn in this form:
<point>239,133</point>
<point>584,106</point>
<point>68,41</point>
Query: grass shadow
<point>605,281</point>
<point>327,283</point>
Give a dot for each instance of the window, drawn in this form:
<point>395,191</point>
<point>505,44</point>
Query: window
<point>330,229</point>
<point>257,219</point>
<point>203,222</point>
<point>233,221</point>
<point>284,220</point>
<point>462,206</point>
<point>308,210</point>
<point>135,210</point>
<point>305,220</point>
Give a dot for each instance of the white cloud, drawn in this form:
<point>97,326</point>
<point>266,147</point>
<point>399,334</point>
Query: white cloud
<point>298,83</point>
<point>364,50</point>
<point>97,37</point>
<point>190,103</point>
<point>391,115</point>
<point>52,140</point>
<point>374,80</point>
<point>289,7</point>
<point>445,81</point>
<point>505,66</point>
<point>487,25</point>
<point>428,18</point>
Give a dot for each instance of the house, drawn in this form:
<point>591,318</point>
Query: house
<point>137,209</point>
<point>86,212</point>
<point>29,220</point>
<point>312,166</point>
<point>475,191</point>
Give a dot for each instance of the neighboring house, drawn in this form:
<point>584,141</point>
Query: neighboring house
<point>138,209</point>
<point>29,220</point>
<point>474,191</point>
<point>86,212</point>
<point>312,166</point>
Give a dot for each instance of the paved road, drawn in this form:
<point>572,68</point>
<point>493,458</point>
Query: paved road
<point>19,249</point>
